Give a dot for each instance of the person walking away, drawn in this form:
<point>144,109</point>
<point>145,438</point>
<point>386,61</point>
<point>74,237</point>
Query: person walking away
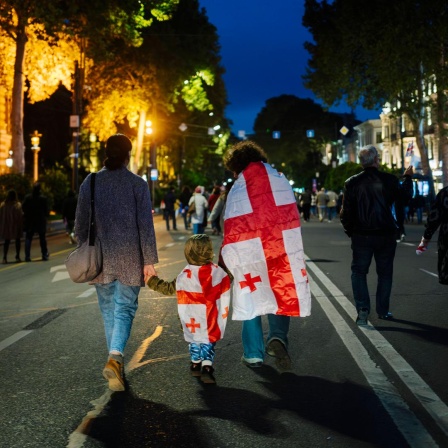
<point>419,206</point>
<point>124,225</point>
<point>200,283</point>
<point>69,213</point>
<point>169,212</point>
<point>313,208</point>
<point>321,202</point>
<point>217,214</point>
<point>305,201</point>
<point>184,198</point>
<point>368,219</point>
<point>200,209</point>
<point>35,211</point>
<point>262,232</point>
<point>438,217</point>
<point>331,205</point>
<point>211,203</point>
<point>11,224</point>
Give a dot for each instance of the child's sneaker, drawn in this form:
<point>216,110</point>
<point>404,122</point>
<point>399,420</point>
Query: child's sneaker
<point>207,375</point>
<point>195,368</point>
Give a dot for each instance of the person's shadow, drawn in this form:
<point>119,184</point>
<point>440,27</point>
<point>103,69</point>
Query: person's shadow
<point>340,408</point>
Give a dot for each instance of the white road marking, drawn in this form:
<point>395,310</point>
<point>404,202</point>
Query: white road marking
<point>407,423</point>
<point>170,244</point>
<point>57,268</point>
<point>416,385</point>
<point>428,272</point>
<point>60,276</point>
<point>14,338</point>
<point>87,293</point>
<point>409,244</point>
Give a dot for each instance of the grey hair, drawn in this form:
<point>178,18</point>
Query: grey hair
<point>367,155</point>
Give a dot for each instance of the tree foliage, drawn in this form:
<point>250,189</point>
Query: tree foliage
<point>393,57</point>
<point>298,156</point>
<point>21,20</point>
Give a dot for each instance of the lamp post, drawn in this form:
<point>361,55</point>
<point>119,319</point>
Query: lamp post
<point>10,160</point>
<point>35,140</point>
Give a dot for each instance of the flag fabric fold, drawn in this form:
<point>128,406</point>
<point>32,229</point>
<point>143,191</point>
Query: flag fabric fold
<point>203,300</point>
<point>262,246</point>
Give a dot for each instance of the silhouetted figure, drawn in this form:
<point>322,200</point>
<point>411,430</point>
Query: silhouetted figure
<point>11,224</point>
<point>35,210</point>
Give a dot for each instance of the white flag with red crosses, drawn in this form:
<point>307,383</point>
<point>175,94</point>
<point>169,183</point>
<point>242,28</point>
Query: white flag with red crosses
<point>262,246</point>
<point>203,300</point>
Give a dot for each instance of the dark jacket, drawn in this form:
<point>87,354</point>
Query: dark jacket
<point>369,200</point>
<point>35,210</point>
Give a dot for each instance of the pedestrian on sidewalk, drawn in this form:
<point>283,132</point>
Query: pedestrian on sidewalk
<point>184,198</point>
<point>263,251</point>
<point>211,203</point>
<point>200,204</point>
<point>124,225</point>
<point>305,204</point>
<point>11,224</point>
<point>368,219</point>
<point>200,283</point>
<point>321,203</point>
<point>35,211</point>
<point>438,217</point>
<point>331,204</point>
<point>169,213</point>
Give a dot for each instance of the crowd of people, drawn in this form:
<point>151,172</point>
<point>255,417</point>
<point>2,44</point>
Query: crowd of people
<point>260,264</point>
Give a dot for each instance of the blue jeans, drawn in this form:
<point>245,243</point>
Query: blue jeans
<point>198,229</point>
<point>118,304</point>
<point>331,213</point>
<point>252,335</point>
<point>383,249</point>
<point>204,353</point>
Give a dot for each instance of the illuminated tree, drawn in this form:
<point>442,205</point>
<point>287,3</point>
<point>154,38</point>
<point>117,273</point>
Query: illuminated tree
<point>19,20</point>
<point>175,76</point>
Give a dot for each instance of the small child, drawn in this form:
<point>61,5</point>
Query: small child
<point>203,299</point>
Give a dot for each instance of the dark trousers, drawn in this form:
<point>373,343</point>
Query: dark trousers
<point>6,248</point>
<point>170,214</point>
<point>382,248</point>
<point>29,238</point>
<point>306,211</point>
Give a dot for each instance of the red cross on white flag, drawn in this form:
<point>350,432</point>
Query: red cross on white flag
<point>203,300</point>
<point>262,246</point>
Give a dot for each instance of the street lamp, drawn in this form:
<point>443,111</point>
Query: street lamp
<point>9,160</point>
<point>35,140</point>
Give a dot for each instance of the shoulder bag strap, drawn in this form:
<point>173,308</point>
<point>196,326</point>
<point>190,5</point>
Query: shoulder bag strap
<point>92,211</point>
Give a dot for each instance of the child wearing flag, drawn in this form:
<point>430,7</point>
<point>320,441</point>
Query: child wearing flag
<point>203,299</point>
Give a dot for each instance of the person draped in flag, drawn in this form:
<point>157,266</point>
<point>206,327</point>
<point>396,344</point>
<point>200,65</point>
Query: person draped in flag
<point>262,249</point>
<point>203,300</point>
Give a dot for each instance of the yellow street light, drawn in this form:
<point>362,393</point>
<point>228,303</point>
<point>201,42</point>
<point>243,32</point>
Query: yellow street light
<point>35,140</point>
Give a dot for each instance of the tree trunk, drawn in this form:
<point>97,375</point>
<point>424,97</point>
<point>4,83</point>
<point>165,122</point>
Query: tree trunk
<point>17,142</point>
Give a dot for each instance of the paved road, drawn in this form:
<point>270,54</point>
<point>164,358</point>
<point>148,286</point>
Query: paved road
<point>383,386</point>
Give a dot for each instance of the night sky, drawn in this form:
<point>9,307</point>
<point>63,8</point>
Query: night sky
<point>263,55</point>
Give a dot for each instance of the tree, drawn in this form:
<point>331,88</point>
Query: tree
<point>298,156</point>
<point>392,58</point>
<point>174,77</point>
<point>111,20</point>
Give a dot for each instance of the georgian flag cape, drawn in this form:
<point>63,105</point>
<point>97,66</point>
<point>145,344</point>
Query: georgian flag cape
<point>262,246</point>
<point>203,299</point>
